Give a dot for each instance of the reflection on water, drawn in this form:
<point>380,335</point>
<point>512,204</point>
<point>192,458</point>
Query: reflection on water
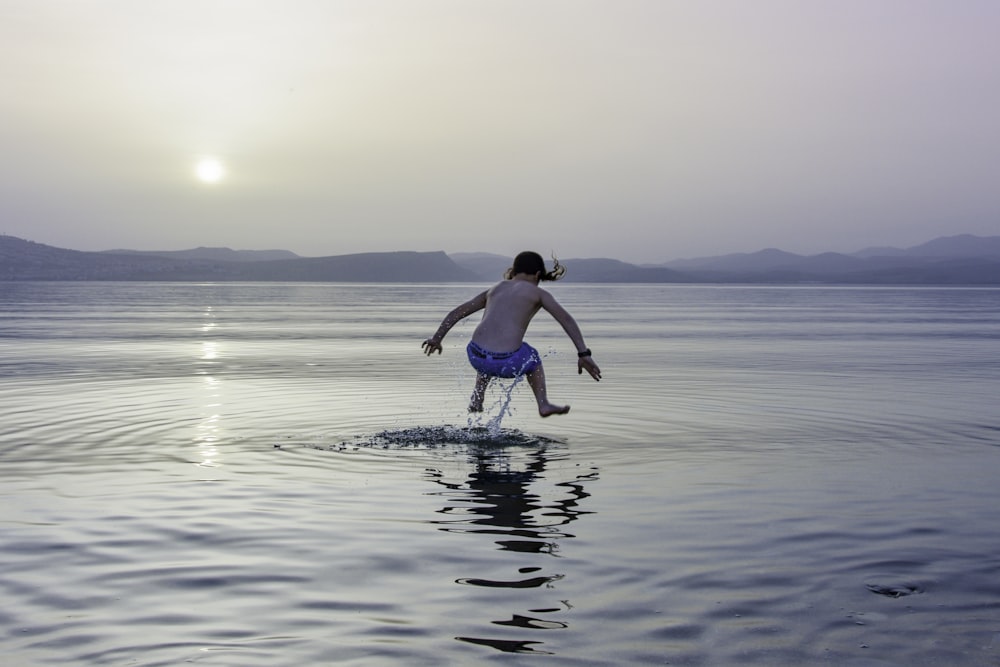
<point>506,498</point>
<point>208,432</point>
<point>512,495</point>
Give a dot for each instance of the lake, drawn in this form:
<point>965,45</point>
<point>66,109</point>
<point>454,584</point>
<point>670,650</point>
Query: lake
<point>273,474</point>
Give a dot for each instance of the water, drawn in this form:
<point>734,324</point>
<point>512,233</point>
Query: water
<point>273,474</point>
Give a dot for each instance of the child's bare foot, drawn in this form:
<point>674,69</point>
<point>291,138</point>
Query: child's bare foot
<point>476,406</point>
<point>547,409</point>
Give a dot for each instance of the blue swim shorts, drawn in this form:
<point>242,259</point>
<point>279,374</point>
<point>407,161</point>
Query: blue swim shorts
<point>521,361</point>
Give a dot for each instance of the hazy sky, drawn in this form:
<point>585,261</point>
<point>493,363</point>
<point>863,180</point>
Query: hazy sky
<point>642,130</point>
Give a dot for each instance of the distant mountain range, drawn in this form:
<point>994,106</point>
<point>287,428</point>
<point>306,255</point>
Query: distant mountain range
<point>26,260</point>
<point>952,260</point>
<point>213,254</point>
<point>961,259</point>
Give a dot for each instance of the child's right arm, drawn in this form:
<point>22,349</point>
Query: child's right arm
<point>471,306</point>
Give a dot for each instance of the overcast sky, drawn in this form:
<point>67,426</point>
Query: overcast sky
<point>642,130</point>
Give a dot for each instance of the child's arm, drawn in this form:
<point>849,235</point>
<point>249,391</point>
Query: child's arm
<point>473,305</point>
<point>572,329</point>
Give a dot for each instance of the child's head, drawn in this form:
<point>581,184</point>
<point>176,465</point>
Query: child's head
<point>532,263</point>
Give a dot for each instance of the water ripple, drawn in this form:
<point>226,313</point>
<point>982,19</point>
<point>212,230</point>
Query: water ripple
<point>270,474</point>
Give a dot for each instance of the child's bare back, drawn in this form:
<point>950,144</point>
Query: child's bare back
<point>510,305</point>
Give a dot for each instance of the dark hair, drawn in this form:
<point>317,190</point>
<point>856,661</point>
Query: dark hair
<point>532,263</point>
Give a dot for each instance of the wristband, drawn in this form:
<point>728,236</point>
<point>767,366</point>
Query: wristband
<point>585,353</point>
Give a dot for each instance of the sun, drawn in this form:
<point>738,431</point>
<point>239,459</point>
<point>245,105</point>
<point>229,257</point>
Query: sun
<point>209,170</point>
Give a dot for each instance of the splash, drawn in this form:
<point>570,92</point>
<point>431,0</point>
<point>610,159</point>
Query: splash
<point>428,437</point>
<point>481,429</point>
<point>505,395</point>
<point>501,406</point>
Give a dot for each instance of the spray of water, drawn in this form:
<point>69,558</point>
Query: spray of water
<point>500,408</point>
<point>433,437</point>
<point>484,428</point>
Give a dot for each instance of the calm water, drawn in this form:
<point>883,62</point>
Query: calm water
<point>261,474</point>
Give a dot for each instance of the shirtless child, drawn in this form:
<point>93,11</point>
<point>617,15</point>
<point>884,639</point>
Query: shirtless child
<point>497,348</point>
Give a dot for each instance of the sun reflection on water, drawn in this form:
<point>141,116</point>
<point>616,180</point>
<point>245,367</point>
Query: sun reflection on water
<point>209,323</point>
<point>208,429</point>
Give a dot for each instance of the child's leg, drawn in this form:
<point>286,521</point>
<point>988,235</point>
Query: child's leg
<point>536,380</point>
<point>479,392</point>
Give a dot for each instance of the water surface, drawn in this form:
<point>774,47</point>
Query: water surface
<point>262,474</point>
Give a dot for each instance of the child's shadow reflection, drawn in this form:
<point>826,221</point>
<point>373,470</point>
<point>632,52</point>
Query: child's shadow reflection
<point>525,499</point>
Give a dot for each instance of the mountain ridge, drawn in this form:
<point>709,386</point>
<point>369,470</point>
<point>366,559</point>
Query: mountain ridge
<point>963,259</point>
<point>959,245</point>
<point>27,260</point>
<point>209,253</point>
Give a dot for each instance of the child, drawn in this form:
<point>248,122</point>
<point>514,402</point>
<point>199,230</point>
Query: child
<point>497,348</point>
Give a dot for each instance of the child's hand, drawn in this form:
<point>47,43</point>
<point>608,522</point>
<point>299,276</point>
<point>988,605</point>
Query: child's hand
<point>430,345</point>
<point>588,364</point>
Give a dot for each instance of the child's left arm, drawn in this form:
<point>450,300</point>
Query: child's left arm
<point>585,362</point>
<point>471,306</point>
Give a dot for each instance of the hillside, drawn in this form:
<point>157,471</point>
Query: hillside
<point>26,260</point>
<point>958,246</point>
<point>490,268</point>
<point>212,254</point>
<point>958,260</point>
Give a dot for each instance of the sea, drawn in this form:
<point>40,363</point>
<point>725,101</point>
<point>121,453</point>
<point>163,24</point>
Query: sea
<point>248,474</point>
